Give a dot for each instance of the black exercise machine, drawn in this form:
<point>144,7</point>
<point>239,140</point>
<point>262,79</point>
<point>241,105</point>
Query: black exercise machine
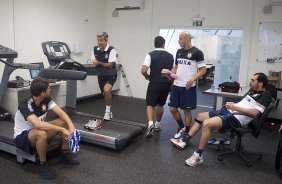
<point>7,144</point>
<point>114,134</point>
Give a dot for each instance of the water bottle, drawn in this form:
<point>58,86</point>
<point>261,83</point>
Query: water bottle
<point>213,88</point>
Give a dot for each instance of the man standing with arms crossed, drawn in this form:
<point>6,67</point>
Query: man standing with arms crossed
<point>159,86</point>
<point>104,55</point>
<point>189,67</point>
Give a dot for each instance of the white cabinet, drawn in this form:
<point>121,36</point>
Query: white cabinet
<point>87,87</point>
<point>13,96</point>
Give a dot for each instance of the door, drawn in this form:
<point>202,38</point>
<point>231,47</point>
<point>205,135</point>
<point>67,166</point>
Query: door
<point>222,50</point>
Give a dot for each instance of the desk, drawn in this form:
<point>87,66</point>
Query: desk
<point>219,96</point>
<point>13,96</point>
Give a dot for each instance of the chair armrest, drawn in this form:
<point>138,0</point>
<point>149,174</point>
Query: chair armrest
<point>277,103</point>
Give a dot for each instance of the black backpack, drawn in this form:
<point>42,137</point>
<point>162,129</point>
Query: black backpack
<point>230,87</point>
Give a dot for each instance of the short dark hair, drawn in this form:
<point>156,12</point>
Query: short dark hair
<point>262,78</point>
<point>104,35</point>
<point>159,41</point>
<point>38,85</point>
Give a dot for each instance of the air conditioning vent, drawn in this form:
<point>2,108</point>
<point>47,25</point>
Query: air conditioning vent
<point>276,2</point>
<point>129,4</point>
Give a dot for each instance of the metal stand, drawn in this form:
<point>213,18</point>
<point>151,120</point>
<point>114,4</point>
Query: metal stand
<point>127,86</point>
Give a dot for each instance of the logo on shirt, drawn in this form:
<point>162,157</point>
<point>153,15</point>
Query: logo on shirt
<point>189,55</point>
<point>247,98</point>
<point>184,62</point>
<point>44,107</point>
<point>106,56</point>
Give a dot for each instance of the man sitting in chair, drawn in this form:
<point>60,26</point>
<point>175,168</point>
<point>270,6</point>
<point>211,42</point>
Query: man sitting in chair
<point>254,103</point>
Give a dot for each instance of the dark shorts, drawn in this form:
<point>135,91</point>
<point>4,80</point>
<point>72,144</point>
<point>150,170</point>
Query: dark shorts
<point>157,93</point>
<point>222,113</point>
<point>182,98</point>
<point>22,142</point>
<point>102,80</point>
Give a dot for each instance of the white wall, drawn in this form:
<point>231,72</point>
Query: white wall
<point>6,32</point>
<point>132,31</point>
<point>131,34</point>
<point>6,19</point>
<point>35,21</point>
<point>275,16</point>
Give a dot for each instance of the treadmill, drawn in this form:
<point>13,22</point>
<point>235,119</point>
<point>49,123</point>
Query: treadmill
<point>6,124</point>
<point>114,134</point>
<point>6,121</point>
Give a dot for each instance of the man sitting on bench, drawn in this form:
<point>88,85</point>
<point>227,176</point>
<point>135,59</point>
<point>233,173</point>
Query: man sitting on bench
<point>32,132</point>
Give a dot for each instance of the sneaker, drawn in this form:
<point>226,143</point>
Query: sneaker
<point>88,124</point>
<point>65,158</point>
<point>46,172</point>
<point>174,141</point>
<point>223,141</point>
<point>179,133</point>
<point>95,124</point>
<point>74,142</point>
<point>108,116</point>
<point>157,127</point>
<point>150,131</point>
<point>194,159</point>
<point>178,143</point>
<point>213,141</point>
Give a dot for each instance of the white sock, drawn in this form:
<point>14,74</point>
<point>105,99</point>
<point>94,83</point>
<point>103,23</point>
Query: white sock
<point>150,123</point>
<point>158,123</point>
<point>108,108</point>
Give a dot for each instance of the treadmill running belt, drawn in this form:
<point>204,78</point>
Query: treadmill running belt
<point>112,134</point>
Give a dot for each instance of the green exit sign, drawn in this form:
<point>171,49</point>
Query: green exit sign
<point>197,23</point>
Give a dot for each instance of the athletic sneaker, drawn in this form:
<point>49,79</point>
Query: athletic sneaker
<point>178,143</point>
<point>46,172</point>
<point>157,127</point>
<point>95,124</point>
<point>150,131</point>
<point>194,159</point>
<point>179,133</point>
<point>74,142</point>
<point>108,116</point>
<point>89,123</point>
<point>174,141</point>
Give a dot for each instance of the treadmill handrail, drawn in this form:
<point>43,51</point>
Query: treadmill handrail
<point>62,74</point>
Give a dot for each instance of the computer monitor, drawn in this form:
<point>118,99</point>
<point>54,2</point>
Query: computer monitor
<point>34,73</point>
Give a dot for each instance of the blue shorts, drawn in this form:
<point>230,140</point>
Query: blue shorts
<point>222,113</point>
<point>182,98</point>
<point>23,143</point>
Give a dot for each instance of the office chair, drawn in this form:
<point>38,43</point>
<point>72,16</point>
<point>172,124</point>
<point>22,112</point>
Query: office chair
<point>273,91</point>
<point>253,128</point>
<point>278,156</point>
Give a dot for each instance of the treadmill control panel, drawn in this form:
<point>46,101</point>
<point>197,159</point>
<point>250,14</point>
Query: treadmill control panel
<point>5,52</point>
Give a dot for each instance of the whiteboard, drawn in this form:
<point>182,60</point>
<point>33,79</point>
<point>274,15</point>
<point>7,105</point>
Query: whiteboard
<point>270,42</point>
